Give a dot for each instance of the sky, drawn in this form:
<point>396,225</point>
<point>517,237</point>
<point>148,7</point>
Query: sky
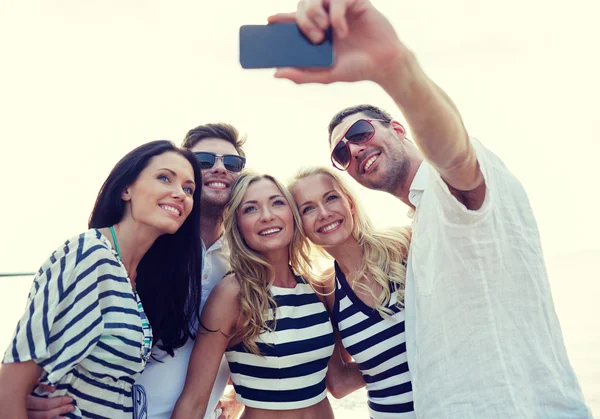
<point>84,82</point>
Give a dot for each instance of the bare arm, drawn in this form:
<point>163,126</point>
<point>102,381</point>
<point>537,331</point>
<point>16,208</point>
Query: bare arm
<point>16,382</point>
<point>343,376</point>
<point>438,130</point>
<point>219,318</point>
<point>368,48</point>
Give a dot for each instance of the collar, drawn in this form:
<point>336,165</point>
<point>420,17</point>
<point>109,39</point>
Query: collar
<point>418,185</point>
<point>215,246</point>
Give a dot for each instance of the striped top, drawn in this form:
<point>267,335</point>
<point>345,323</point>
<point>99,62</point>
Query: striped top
<point>291,372</point>
<point>378,345</point>
<point>83,326</point>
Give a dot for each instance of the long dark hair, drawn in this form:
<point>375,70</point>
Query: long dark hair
<point>169,274</point>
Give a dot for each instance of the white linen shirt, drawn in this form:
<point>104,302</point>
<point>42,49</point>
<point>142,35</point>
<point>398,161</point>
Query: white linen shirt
<point>483,339</point>
<point>163,381</point>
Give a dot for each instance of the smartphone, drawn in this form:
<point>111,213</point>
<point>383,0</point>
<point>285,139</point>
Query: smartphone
<point>282,45</point>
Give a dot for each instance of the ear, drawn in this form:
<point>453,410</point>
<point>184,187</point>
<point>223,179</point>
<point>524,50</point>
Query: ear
<point>399,128</point>
<point>351,203</point>
<point>125,195</point>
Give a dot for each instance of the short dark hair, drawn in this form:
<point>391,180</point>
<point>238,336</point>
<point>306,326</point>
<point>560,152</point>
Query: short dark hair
<point>369,110</point>
<point>168,276</point>
<point>220,130</point>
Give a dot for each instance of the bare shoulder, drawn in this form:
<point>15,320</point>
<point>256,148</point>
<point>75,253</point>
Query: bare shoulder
<point>221,310</point>
<point>225,293</point>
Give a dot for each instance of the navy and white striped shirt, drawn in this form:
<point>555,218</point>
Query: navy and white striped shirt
<point>378,345</point>
<point>84,326</point>
<point>291,372</point>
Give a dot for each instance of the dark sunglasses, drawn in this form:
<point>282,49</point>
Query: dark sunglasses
<point>231,162</point>
<point>359,133</point>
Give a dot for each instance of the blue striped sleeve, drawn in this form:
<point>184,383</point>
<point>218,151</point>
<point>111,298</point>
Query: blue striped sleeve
<point>63,320</point>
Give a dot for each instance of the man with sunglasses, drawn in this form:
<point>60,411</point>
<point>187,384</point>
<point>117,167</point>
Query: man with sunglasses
<point>483,338</point>
<point>219,150</point>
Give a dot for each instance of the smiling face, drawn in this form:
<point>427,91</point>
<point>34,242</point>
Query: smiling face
<point>216,181</point>
<point>381,163</point>
<point>327,213</point>
<point>264,218</point>
<point>162,194</point>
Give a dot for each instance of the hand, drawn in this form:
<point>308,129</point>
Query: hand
<point>229,406</point>
<point>48,408</point>
<point>365,43</point>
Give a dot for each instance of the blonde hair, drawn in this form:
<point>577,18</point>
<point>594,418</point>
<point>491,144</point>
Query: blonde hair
<point>253,271</point>
<point>385,251</point>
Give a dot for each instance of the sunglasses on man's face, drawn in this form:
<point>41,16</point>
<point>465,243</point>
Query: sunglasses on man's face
<point>359,133</point>
<point>232,162</point>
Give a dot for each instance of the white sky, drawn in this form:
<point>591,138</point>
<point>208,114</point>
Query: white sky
<point>83,82</point>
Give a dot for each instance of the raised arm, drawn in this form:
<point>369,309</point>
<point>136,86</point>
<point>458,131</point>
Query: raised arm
<point>367,48</point>
<point>218,324</point>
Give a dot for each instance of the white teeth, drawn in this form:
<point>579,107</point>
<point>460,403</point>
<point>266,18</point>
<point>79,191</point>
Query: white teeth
<point>330,227</point>
<point>270,231</point>
<point>216,185</point>
<point>370,162</point>
<point>170,209</point>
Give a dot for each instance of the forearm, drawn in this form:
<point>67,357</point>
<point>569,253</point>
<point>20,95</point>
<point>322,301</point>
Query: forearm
<point>352,379</point>
<point>13,404</point>
<point>347,380</point>
<point>16,382</point>
<point>434,119</point>
<point>189,407</point>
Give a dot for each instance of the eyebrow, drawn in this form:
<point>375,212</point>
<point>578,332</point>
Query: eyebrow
<point>323,196</point>
<point>175,174</point>
<point>253,201</point>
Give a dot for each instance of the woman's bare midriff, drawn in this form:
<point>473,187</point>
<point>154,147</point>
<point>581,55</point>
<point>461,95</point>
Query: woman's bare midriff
<point>321,410</point>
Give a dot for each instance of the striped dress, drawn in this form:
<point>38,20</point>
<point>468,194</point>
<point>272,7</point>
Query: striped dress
<point>378,345</point>
<point>291,372</point>
<point>86,328</point>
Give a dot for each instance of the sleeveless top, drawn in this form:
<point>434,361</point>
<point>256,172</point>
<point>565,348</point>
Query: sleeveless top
<point>290,374</point>
<point>378,345</point>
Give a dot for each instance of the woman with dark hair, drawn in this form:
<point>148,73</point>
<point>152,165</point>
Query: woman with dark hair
<point>85,330</point>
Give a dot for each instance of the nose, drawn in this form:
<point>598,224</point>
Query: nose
<point>178,192</point>
<point>218,167</point>
<point>265,214</point>
<point>355,149</point>
<point>322,212</point>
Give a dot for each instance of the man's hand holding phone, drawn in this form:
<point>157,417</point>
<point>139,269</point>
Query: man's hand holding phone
<point>366,45</point>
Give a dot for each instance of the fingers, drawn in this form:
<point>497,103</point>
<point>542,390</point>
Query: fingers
<point>337,15</point>
<point>302,76</point>
<point>48,408</point>
<point>282,17</point>
<point>312,19</point>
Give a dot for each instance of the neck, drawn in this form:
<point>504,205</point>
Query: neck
<point>279,261</point>
<point>211,228</point>
<point>348,255</point>
<point>134,241</point>
<point>403,190</point>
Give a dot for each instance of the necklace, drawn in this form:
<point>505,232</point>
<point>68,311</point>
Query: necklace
<point>114,237</point>
<point>146,350</point>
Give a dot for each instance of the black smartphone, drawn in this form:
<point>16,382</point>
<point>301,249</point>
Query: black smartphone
<point>282,45</point>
